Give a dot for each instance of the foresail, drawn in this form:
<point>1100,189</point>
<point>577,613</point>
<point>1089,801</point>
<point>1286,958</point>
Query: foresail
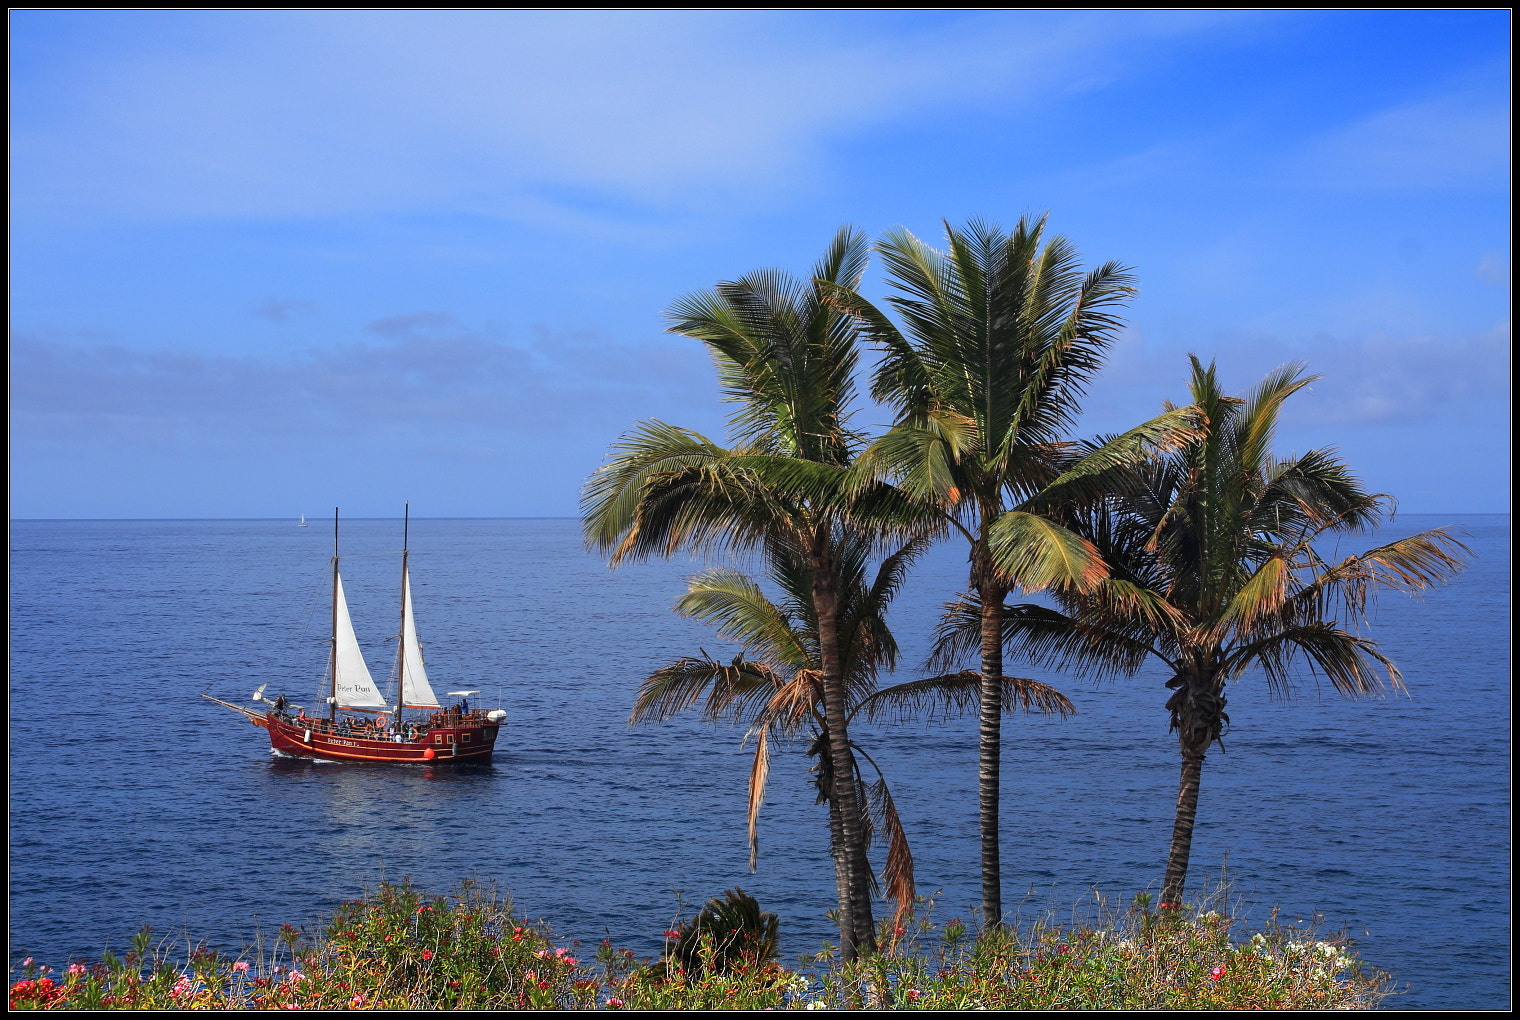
<point>356,688</point>
<point>415,692</point>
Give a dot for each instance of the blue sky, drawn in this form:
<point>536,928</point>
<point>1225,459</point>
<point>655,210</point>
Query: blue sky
<point>267,263</point>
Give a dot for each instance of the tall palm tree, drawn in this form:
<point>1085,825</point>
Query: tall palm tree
<point>1216,564</point>
<point>787,357</point>
<point>1001,333</point>
<point>773,687</point>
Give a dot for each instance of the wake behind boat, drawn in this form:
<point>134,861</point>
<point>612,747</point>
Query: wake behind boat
<point>359,725</point>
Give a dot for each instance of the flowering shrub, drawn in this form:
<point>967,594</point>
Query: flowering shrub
<point>398,949</point>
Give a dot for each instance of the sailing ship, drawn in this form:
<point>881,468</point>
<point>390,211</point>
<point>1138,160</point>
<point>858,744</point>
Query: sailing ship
<point>303,522</point>
<point>359,725</point>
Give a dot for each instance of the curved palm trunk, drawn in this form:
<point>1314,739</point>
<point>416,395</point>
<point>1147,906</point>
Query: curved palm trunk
<point>857,931</point>
<point>1182,830</point>
<point>1198,717</point>
<point>990,746</point>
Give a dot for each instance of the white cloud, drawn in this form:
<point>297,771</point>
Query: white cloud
<point>295,114</point>
<point>1455,141</point>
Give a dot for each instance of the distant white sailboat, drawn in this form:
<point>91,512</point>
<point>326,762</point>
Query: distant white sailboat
<point>303,521</point>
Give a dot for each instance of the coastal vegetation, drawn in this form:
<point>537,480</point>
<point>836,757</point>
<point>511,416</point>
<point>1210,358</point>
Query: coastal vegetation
<point>1184,540</point>
<point>400,949</point>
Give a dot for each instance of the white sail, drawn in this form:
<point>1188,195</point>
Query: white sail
<point>355,687</point>
<point>415,692</point>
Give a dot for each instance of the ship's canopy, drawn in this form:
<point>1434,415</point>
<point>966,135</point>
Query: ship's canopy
<point>415,692</point>
<point>355,687</point>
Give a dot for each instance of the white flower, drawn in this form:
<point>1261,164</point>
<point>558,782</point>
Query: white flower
<point>815,1004</point>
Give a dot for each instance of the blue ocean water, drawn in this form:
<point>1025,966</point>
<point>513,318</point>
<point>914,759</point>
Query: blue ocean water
<point>135,802</point>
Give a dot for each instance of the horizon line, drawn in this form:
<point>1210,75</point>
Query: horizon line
<point>547,517</point>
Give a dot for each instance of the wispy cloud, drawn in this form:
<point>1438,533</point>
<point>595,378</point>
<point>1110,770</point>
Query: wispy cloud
<point>295,114</point>
<point>1375,379</point>
<point>1493,268</point>
<point>427,381</point>
<point>1460,140</point>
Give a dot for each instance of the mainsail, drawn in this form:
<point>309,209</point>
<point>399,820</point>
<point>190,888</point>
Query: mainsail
<point>415,692</point>
<point>351,680</point>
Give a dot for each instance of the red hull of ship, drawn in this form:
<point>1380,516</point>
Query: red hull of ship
<point>466,741</point>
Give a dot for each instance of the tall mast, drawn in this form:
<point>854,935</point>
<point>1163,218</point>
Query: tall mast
<point>332,703</point>
<point>401,635</point>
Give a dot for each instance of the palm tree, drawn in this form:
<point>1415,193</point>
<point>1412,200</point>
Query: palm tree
<point>787,357</point>
<point>773,687</point>
<point>1216,560</point>
<point>1001,333</point>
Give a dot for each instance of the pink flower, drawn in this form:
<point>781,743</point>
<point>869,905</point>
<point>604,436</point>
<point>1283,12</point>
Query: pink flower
<point>241,967</point>
<point>76,969</point>
<point>359,999</point>
<point>614,1003</point>
<point>26,962</point>
<point>295,976</point>
<point>912,994</point>
<point>1216,973</point>
<point>530,975</point>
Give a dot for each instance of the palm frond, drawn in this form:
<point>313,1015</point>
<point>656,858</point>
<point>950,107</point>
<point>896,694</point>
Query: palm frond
<point>738,609</point>
<point>1353,665</point>
<point>956,694</point>
<point>759,773</point>
<point>1037,553</point>
<point>1097,474</point>
<point>897,872</point>
<point>609,501</point>
<point>735,691</point>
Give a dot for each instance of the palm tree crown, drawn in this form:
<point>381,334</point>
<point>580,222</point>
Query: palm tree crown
<point>786,355</point>
<point>1001,332</point>
<point>1216,565</point>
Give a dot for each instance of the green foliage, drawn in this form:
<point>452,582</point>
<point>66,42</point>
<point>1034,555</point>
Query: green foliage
<point>395,949</point>
<point>726,935</point>
<point>399,949</point>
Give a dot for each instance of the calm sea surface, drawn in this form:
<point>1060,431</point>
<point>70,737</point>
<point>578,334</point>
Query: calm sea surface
<point>135,802</point>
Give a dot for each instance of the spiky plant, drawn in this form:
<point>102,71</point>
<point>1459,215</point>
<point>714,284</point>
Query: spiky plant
<point>726,933</point>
